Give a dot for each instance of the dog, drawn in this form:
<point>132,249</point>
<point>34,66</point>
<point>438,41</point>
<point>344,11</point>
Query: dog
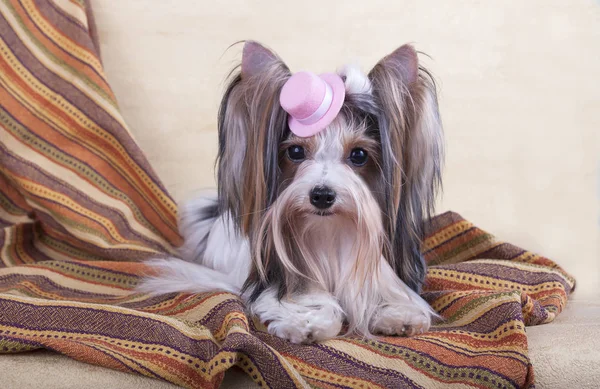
<point>324,183</point>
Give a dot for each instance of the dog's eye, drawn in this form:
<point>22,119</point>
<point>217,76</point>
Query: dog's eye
<point>296,153</point>
<point>358,156</point>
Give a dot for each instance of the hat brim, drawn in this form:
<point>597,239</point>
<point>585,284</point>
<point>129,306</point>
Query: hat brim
<point>339,92</point>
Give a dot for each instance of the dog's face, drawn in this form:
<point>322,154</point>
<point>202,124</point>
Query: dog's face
<point>328,200</point>
<point>332,173</point>
<point>366,181</point>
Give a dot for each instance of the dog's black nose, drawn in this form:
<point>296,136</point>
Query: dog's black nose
<point>322,197</point>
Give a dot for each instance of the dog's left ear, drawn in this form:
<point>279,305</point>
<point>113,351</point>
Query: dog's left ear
<point>412,155</point>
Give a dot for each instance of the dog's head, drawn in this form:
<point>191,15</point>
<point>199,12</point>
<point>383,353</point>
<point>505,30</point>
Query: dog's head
<point>371,174</point>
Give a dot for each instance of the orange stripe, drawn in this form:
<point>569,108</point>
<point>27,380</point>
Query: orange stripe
<point>80,278</point>
<point>132,268</point>
<point>309,371</point>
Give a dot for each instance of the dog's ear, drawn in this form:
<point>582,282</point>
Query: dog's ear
<point>252,124</point>
<point>412,155</point>
<point>256,58</point>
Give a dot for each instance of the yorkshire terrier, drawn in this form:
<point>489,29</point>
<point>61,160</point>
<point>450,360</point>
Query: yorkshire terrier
<point>324,184</point>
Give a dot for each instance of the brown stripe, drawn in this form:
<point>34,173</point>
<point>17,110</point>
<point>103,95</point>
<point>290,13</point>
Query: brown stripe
<point>71,28</point>
<point>439,222</point>
<point>93,30</point>
<point>57,51</point>
<point>85,320</point>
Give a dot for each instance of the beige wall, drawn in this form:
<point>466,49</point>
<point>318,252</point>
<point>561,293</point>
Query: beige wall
<point>520,96</point>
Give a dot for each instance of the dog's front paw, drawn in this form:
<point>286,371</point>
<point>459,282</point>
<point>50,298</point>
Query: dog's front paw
<point>401,320</point>
<point>307,325</point>
<point>302,318</point>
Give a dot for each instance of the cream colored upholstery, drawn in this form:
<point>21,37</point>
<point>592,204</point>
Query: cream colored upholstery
<point>47,370</point>
<point>519,97</point>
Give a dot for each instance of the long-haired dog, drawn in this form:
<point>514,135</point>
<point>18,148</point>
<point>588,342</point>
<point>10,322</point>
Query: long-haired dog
<point>318,226</point>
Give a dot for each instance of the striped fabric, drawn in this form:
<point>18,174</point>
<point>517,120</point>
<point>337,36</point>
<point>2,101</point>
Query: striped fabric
<point>73,183</point>
<point>80,206</point>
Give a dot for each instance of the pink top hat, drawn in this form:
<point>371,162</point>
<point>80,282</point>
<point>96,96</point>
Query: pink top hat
<point>312,101</point>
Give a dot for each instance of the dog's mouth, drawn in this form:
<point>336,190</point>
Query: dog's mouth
<point>323,213</point>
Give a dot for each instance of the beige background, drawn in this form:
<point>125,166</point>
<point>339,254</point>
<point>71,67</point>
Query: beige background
<point>519,94</point>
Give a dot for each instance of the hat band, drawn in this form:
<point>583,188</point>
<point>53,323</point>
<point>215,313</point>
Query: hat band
<point>322,110</point>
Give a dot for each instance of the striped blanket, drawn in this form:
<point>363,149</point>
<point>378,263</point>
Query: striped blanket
<point>80,206</point>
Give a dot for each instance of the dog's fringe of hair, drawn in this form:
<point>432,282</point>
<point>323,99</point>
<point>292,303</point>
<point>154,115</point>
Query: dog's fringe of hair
<point>251,126</point>
<point>413,151</point>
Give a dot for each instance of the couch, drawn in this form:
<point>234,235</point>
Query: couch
<point>517,97</point>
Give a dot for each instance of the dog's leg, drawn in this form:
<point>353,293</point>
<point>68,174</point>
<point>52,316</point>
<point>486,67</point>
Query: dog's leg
<point>215,256</point>
<point>304,318</point>
<point>401,311</point>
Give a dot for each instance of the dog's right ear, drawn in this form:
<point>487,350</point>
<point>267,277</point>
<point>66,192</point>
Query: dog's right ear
<point>252,125</point>
<point>256,58</point>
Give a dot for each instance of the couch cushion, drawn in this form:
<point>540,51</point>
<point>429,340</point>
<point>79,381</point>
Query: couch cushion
<point>566,353</point>
<point>56,371</point>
